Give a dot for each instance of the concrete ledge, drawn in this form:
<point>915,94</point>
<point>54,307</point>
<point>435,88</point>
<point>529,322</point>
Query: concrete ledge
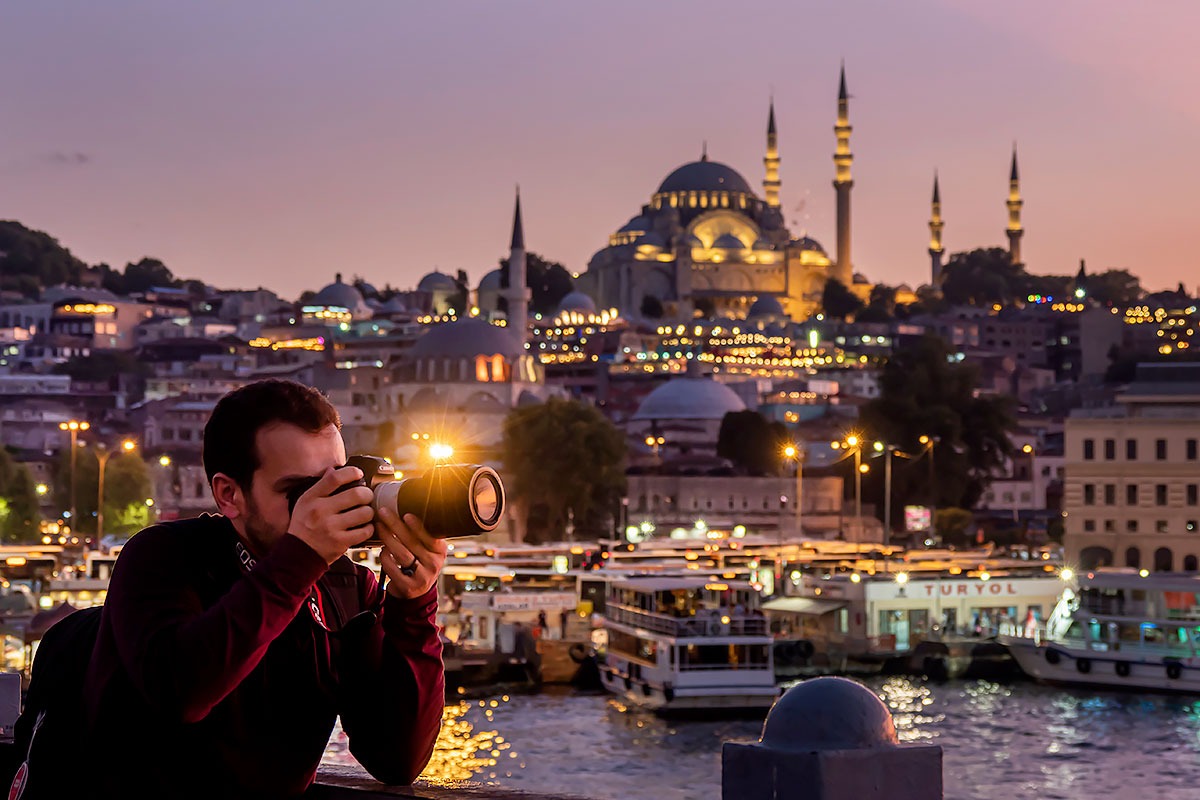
<point>905,772</point>
<point>351,783</point>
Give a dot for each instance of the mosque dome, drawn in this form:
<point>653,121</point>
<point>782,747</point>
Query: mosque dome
<point>651,239</point>
<point>466,338</point>
<point>437,282</point>
<point>765,306</point>
<point>638,224</point>
<point>338,295</point>
<point>692,240</point>
<point>689,398</point>
<point>491,282</point>
<point>808,243</point>
<point>393,306</point>
<point>705,176</point>
<point>577,301</point>
<point>728,241</point>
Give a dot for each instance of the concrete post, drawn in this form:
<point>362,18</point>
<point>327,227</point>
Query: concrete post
<point>830,739</point>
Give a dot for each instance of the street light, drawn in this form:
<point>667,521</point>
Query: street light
<point>74,426</point>
<point>103,454</point>
<point>794,453</point>
<point>929,442</point>
<point>852,442</point>
<point>887,450</point>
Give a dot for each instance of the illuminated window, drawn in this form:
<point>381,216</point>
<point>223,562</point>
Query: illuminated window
<point>481,369</point>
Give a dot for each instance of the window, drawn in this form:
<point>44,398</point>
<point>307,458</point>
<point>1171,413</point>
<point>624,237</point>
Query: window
<point>1089,449</point>
<point>1160,494</point>
<point>1089,525</point>
<point>1110,449</point>
<point>1089,494</point>
<point>1131,449</point>
<point>1191,525</point>
<point>1110,494</point>
<point>1131,525</point>
<point>1110,526</point>
<point>1191,449</point>
<point>1131,495</point>
<point>1160,526</point>
<point>1191,494</point>
<point>1160,449</point>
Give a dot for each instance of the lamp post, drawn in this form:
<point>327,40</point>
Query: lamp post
<point>886,450</point>
<point>929,441</point>
<point>796,454</point>
<point>74,426</point>
<point>103,454</point>
<point>853,444</point>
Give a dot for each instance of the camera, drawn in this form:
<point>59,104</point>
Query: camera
<point>451,499</point>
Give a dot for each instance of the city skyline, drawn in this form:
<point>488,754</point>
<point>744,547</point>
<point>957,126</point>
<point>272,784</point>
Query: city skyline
<point>278,145</point>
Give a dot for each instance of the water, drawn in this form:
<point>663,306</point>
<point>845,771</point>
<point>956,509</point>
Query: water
<point>1012,741</point>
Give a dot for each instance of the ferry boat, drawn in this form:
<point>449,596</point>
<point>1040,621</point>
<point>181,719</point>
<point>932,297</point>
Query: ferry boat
<point>687,645</point>
<point>1121,629</point>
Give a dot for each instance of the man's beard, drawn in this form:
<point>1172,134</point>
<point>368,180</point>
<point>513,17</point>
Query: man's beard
<point>261,537</point>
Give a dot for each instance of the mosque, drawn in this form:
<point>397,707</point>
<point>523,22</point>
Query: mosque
<point>706,241</point>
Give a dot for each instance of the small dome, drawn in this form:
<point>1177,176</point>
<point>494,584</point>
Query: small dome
<point>650,239</point>
<point>394,306</point>
<point>577,301</point>
<point>338,295</point>
<point>765,306</point>
<point>437,282</point>
<point>689,398</point>
<point>705,176</point>
<point>728,241</point>
<point>829,714</point>
<point>491,282</point>
<point>366,288</point>
<point>808,243</point>
<point>636,225</point>
<point>692,240</point>
<point>466,338</point>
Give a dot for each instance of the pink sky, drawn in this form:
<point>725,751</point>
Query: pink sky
<point>276,143</point>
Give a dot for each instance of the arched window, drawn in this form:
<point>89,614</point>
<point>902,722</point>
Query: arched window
<point>1133,558</point>
<point>1189,563</point>
<point>481,369</point>
<point>499,368</point>
<point>1163,560</point>
<point>1091,557</point>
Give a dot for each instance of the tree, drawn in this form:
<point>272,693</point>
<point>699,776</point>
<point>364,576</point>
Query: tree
<point>31,260</point>
<point>19,513</point>
<point>563,461</point>
<point>139,277</point>
<point>549,282</point>
<point>751,442</point>
<point>837,301</point>
<point>983,277</point>
<point>1115,287</point>
<point>126,486</point>
<point>923,393</point>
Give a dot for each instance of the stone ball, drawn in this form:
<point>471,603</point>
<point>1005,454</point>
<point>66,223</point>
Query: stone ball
<point>829,714</point>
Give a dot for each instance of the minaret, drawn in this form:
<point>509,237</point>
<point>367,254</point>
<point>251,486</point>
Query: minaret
<point>517,294</point>
<point>843,269</point>
<point>936,251</point>
<point>1015,232</point>
<point>771,162</point>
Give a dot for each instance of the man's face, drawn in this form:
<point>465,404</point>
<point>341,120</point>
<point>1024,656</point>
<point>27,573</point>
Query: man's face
<point>287,455</point>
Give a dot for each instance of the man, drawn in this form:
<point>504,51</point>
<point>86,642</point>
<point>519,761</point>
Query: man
<point>229,644</point>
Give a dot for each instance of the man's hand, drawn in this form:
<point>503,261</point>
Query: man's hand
<point>332,523</point>
<point>411,558</point>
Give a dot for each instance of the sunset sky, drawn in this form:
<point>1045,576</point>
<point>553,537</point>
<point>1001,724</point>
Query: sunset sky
<point>276,143</point>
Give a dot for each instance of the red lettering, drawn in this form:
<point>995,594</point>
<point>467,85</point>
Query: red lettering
<point>1011,589</point>
<point>928,590</point>
<point>979,588</point>
<point>962,589</point>
<point>947,590</point>
<point>995,588</point>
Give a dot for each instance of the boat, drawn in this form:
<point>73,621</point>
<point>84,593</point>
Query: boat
<point>687,645</point>
<point>1122,629</point>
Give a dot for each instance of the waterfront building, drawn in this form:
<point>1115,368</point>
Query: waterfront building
<point>1132,475</point>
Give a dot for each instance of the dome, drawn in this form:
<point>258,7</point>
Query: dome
<point>577,301</point>
<point>338,295</point>
<point>692,240</point>
<point>807,243</point>
<point>828,714</point>
<point>367,288</point>
<point>491,282</point>
<point>394,306</point>
<point>729,242</point>
<point>765,306</point>
<point>466,338</point>
<point>635,225</point>
<point>689,398</point>
<point>705,176</point>
<point>437,282</point>
<point>650,239</point>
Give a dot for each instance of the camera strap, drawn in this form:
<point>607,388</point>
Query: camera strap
<point>315,606</point>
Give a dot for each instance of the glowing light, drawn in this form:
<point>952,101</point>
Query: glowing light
<point>42,489</point>
<point>440,451</point>
<point>129,445</point>
<point>1067,573</point>
<point>902,578</point>
<point>855,577</point>
<point>1145,573</point>
<point>164,461</point>
<point>985,576</point>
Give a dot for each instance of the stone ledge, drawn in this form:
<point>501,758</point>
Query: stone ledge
<point>353,783</point>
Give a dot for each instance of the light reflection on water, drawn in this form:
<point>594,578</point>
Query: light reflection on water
<point>1018,741</point>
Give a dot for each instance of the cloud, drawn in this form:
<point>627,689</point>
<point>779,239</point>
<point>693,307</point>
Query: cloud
<point>68,159</point>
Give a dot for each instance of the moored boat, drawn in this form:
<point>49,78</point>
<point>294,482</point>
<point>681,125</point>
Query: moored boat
<point>1121,629</point>
<point>686,645</point>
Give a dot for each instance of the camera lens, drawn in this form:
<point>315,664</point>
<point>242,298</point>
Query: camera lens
<point>485,496</point>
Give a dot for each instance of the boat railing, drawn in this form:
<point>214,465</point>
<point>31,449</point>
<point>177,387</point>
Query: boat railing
<point>726,667</point>
<point>715,625</point>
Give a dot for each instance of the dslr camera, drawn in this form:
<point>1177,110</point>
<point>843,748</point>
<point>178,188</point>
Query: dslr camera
<point>451,499</point>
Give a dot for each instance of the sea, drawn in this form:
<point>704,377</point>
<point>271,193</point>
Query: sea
<point>1019,740</point>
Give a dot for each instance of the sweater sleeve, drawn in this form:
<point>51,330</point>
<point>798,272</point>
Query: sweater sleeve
<point>183,658</point>
<point>393,688</point>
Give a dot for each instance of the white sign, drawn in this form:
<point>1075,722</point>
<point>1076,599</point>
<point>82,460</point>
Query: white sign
<point>518,601</point>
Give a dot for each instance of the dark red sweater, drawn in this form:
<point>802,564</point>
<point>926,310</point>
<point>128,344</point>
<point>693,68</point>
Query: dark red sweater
<point>209,680</point>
